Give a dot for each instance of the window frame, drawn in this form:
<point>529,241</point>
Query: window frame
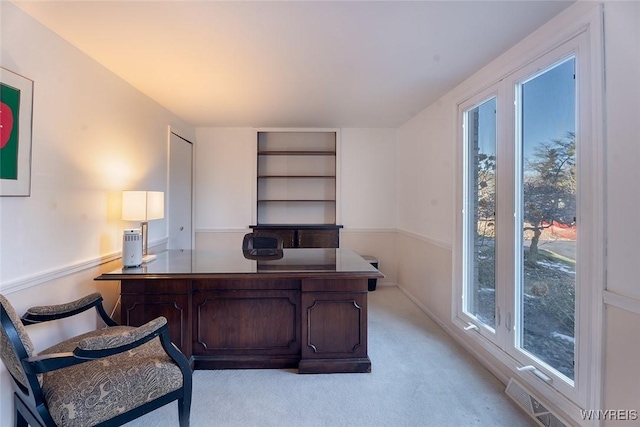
<point>541,65</point>
<point>583,39</point>
<point>492,334</point>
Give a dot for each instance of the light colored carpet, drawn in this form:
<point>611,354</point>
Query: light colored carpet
<point>420,377</point>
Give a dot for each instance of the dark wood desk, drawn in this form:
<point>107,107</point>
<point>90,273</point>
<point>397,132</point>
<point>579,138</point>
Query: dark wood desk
<point>306,310</point>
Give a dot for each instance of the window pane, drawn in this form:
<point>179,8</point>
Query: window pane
<point>547,215</point>
<point>479,294</point>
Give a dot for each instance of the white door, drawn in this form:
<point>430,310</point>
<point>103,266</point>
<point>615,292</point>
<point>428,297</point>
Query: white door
<point>180,192</point>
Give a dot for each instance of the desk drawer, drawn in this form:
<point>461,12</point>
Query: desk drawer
<point>156,286</point>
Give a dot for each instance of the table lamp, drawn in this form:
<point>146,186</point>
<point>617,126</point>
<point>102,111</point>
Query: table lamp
<point>143,206</point>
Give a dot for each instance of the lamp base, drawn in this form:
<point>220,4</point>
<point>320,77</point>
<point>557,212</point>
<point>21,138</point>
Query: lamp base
<point>148,258</point>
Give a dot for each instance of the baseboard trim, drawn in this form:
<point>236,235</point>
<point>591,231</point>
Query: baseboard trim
<point>483,361</point>
<point>560,403</point>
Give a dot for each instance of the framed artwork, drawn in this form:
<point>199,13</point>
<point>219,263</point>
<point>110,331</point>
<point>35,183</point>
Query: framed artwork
<point>16,111</point>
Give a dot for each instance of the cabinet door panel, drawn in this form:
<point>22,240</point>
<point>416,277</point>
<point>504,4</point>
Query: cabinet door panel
<point>246,322</point>
<point>334,325</point>
<point>136,310</point>
<point>318,239</point>
<point>288,237</point>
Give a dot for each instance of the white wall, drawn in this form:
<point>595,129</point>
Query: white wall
<point>622,35</point>
<point>225,190</point>
<point>93,136</point>
<point>368,178</point>
<point>369,197</point>
<point>622,322</point>
<point>224,178</point>
<point>425,166</point>
<point>426,189</point>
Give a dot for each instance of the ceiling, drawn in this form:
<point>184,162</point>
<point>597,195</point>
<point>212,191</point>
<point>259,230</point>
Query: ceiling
<point>293,63</point>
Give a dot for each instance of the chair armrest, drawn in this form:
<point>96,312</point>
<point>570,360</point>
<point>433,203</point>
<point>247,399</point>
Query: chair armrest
<point>45,313</point>
<point>113,341</point>
<point>97,347</point>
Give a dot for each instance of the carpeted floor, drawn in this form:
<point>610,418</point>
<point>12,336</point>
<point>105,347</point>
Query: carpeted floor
<point>420,377</point>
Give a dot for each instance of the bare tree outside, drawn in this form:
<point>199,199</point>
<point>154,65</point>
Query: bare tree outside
<point>549,190</point>
<point>548,275</point>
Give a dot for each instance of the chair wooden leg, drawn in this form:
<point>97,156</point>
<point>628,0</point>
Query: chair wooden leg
<point>184,411</point>
<point>20,421</point>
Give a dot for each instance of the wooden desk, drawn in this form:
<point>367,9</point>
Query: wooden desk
<point>306,310</point>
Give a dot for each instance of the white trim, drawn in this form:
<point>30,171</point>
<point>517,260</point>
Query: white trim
<point>181,134</point>
<point>338,183</point>
<point>593,307</point>
<point>495,92</point>
<point>56,273</point>
<point>380,284</point>
<point>25,282</point>
<point>622,301</point>
<point>439,243</point>
<point>254,177</point>
<point>297,129</point>
<point>452,333</point>
<point>369,230</point>
<point>551,397</point>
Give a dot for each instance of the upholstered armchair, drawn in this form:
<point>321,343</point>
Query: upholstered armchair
<point>105,377</point>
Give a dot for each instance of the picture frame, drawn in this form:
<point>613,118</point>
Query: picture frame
<point>16,121</point>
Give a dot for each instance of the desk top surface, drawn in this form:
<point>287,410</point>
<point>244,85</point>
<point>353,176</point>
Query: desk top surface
<point>302,263</point>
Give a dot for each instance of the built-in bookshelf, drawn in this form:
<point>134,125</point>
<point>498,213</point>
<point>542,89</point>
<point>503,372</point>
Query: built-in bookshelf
<point>296,178</point>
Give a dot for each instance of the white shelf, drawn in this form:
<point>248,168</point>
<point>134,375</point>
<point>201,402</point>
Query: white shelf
<point>296,177</point>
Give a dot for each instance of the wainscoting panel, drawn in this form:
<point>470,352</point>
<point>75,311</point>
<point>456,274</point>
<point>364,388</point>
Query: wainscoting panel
<point>424,271</point>
<point>622,361</point>
<point>380,243</point>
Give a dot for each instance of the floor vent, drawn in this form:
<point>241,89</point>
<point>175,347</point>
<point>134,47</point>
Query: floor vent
<point>532,406</point>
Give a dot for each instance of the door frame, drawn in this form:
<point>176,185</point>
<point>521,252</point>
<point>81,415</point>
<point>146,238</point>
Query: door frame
<point>188,137</point>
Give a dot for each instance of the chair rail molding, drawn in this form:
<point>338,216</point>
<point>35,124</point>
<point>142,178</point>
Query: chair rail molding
<point>439,243</point>
<point>26,282</point>
<point>621,301</point>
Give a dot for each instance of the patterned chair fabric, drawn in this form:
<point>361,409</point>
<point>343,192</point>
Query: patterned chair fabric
<point>7,353</point>
<point>63,308</point>
<point>92,392</point>
<point>129,369</point>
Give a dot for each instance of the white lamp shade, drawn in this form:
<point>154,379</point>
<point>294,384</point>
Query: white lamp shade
<point>142,205</point>
<point>155,205</point>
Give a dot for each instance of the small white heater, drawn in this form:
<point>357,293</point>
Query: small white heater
<point>131,248</point>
